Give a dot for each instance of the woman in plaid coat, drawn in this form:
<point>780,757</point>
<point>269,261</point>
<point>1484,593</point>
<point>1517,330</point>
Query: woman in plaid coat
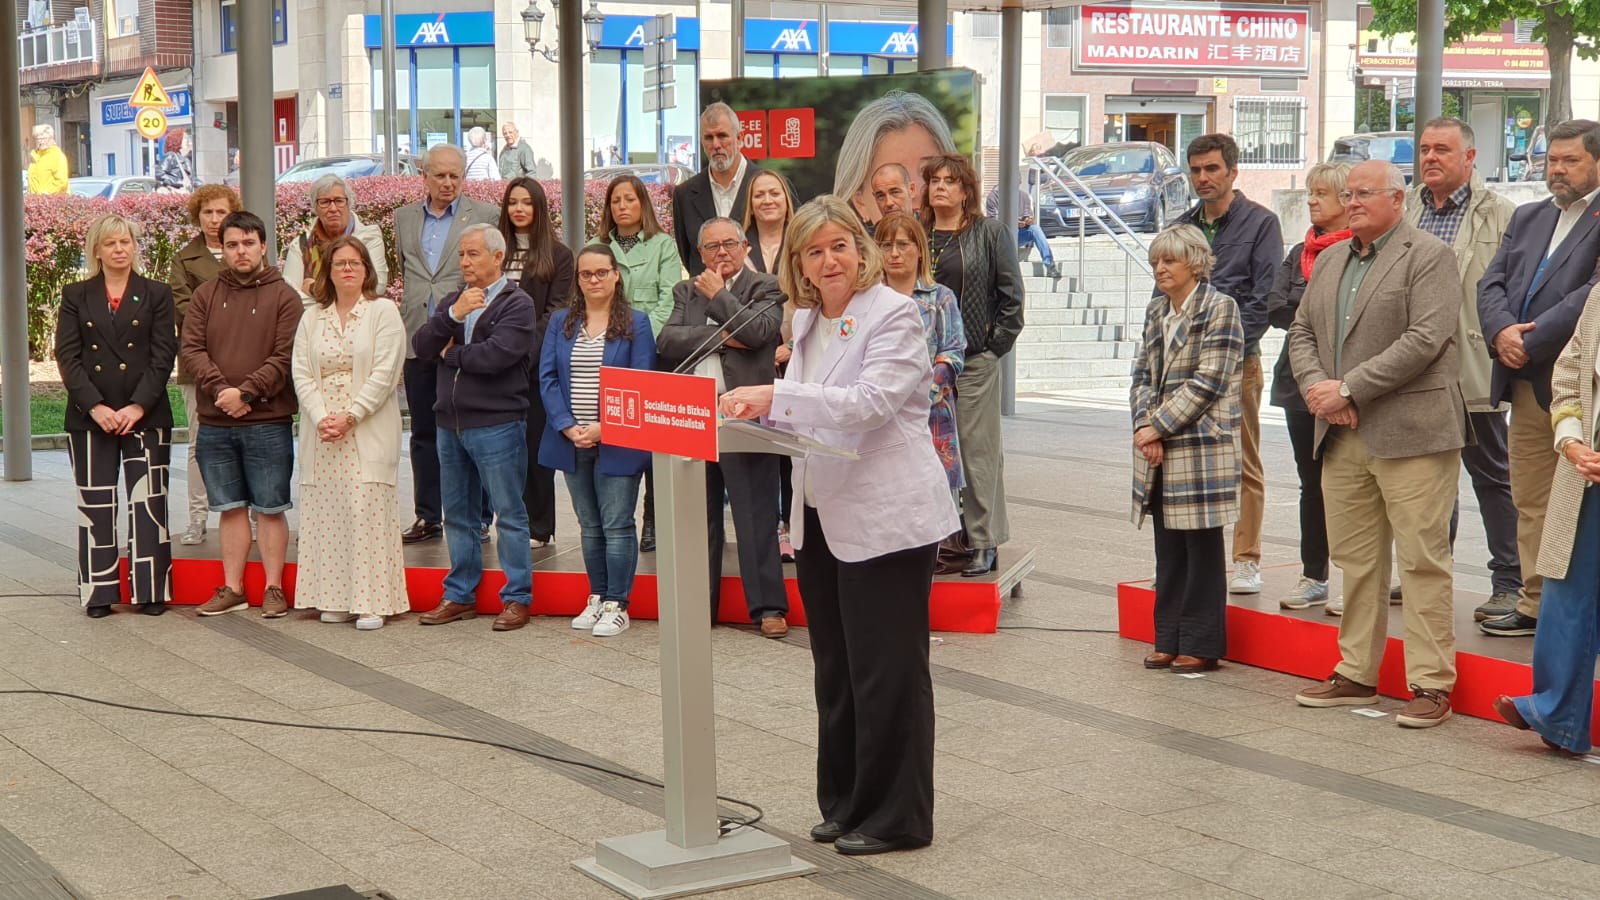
<point>1185,401</point>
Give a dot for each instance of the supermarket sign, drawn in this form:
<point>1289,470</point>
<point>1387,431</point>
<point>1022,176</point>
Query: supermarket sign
<point>1144,37</point>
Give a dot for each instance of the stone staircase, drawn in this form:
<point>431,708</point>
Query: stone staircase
<point>1078,336</point>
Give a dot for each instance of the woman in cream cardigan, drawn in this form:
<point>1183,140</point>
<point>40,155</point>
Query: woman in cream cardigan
<point>347,359</point>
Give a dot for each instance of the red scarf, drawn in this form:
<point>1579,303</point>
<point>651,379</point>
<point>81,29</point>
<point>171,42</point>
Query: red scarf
<point>1316,243</point>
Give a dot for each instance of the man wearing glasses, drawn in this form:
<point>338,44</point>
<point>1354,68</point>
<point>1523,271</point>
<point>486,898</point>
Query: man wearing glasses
<point>726,323</point>
<point>1373,348</point>
<point>335,208</point>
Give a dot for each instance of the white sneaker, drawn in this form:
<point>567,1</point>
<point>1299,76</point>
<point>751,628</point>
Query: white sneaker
<point>536,544</point>
<point>613,620</point>
<point>1306,593</point>
<point>369,623</point>
<point>338,618</point>
<point>1246,578</point>
<point>1335,606</point>
<point>590,614</point>
<point>195,536</point>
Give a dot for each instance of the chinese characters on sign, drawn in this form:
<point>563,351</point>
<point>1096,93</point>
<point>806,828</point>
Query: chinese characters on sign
<point>1144,37</point>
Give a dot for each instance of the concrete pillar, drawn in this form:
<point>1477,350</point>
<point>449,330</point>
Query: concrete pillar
<point>255,117</point>
<point>1430,61</point>
<point>1010,149</point>
<point>933,18</point>
<point>570,39</point>
<point>13,268</point>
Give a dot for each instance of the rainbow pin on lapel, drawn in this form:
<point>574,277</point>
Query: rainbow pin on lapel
<point>847,327</point>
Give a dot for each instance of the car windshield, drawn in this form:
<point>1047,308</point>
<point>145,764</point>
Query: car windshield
<point>1092,161</point>
<point>83,187</point>
<point>344,167</point>
<point>1398,150</point>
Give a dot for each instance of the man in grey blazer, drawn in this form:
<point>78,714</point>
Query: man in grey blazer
<point>1373,347</point>
<point>426,235</point>
<point>727,322</point>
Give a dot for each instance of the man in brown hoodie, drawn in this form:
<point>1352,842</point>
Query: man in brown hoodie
<point>238,338</point>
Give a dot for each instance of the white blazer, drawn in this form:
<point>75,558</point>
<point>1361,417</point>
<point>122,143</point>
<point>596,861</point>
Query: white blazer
<point>380,350</point>
<point>872,398</point>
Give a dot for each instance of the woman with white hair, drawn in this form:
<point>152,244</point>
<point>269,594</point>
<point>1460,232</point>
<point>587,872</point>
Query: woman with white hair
<point>1185,401</point>
<point>480,159</point>
<point>335,208</point>
<point>47,166</point>
<point>898,127</point>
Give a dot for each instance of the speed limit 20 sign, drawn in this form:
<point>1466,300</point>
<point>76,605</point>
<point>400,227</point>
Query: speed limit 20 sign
<point>151,124</point>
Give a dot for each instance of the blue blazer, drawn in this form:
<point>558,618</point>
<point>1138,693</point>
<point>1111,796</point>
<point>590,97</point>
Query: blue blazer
<point>555,388</point>
<point>1557,300</point>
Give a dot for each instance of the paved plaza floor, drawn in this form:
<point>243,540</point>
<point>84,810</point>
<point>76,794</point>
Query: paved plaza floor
<point>1063,768</point>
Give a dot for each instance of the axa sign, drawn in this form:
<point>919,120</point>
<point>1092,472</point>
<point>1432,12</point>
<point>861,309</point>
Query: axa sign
<point>431,33</point>
<point>793,39</point>
<point>901,42</point>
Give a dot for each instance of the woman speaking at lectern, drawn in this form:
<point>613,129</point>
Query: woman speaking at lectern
<point>866,543</point>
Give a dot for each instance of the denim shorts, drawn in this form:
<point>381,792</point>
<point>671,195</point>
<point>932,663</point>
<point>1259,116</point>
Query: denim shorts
<point>246,465</point>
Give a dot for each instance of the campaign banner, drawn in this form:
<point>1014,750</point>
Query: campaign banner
<point>828,135</point>
<point>659,412</point>
<point>1147,37</point>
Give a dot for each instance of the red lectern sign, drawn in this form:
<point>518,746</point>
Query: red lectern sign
<point>659,411</point>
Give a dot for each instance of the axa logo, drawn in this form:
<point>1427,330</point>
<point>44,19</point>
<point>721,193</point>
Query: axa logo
<point>432,32</point>
<point>792,39</point>
<point>901,42</point>
<point>636,38</point>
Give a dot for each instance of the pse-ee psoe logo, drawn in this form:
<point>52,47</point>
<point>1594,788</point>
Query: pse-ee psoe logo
<point>622,408</point>
<point>778,133</point>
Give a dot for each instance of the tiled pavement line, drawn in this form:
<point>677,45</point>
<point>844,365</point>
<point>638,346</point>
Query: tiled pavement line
<point>1400,799</point>
<point>835,872</point>
<point>24,876</point>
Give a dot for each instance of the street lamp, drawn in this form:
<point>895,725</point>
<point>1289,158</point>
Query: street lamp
<point>533,28</point>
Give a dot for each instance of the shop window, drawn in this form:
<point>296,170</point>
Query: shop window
<point>985,24</point>
<point>1064,115</point>
<point>1270,131</point>
<point>122,18</point>
<point>1058,26</point>
<point>280,23</point>
<point>440,93</point>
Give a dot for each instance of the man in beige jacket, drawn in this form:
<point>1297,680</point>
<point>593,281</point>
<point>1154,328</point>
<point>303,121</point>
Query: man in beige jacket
<point>1373,349</point>
<point>1451,202</point>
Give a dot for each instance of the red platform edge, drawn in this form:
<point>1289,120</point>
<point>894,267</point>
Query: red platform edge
<point>1309,649</point>
<point>957,605</point>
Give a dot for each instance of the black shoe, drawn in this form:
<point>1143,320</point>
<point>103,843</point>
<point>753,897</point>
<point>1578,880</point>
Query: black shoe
<point>857,844</point>
<point>827,832</point>
<point>153,609</point>
<point>420,531</point>
<point>983,562</point>
<point>97,612</point>
<point>1514,625</point>
<point>1395,593</point>
<point>483,534</point>
<point>647,537</point>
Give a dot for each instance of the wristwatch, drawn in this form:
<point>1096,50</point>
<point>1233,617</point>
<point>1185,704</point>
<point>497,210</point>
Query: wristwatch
<point>1344,390</point>
<point>246,398</point>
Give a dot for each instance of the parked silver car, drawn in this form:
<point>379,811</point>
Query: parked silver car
<point>109,186</point>
<point>1140,181</point>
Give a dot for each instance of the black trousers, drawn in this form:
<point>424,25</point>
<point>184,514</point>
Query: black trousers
<point>539,490</point>
<point>422,389</point>
<point>1191,588</point>
<point>785,489</point>
<point>1488,464</point>
<point>141,460</point>
<point>1313,518</point>
<point>750,480</point>
<point>869,646</point>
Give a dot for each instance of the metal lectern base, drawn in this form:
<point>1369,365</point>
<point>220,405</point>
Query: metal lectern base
<point>649,867</point>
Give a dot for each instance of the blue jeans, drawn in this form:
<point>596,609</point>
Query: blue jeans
<point>247,465</point>
<point>1567,640</point>
<point>492,460</point>
<point>604,504</point>
<point>1034,235</point>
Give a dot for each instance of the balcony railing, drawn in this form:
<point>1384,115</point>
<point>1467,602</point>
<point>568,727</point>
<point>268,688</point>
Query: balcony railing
<point>73,42</point>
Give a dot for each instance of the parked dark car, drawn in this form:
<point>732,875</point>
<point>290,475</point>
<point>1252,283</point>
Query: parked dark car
<point>110,186</point>
<point>1533,161</point>
<point>649,173</point>
<point>1398,147</point>
<point>1140,181</point>
<point>354,165</point>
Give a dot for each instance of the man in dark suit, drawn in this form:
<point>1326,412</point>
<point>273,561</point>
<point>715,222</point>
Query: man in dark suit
<point>721,190</point>
<point>726,322</point>
<point>1529,301</point>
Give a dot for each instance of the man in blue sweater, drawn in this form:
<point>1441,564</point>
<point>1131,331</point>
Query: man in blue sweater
<point>1247,241</point>
<point>482,336</point>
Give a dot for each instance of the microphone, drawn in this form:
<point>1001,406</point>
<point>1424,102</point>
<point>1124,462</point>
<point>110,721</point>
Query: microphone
<point>699,354</point>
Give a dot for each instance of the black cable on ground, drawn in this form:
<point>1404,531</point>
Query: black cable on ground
<point>727,824</point>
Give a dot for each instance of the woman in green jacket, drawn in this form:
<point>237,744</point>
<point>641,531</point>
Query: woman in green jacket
<point>650,267</point>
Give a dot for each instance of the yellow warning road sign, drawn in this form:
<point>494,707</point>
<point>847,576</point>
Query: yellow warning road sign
<point>151,124</point>
<point>149,92</point>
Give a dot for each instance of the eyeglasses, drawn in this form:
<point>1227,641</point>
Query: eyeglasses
<point>332,202</point>
<point>719,246</point>
<point>897,246</point>
<point>594,274</point>
<point>1365,194</point>
<point>348,264</point>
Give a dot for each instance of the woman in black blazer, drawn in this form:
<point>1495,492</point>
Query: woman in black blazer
<point>115,347</point>
<point>542,266</point>
<point>768,207</point>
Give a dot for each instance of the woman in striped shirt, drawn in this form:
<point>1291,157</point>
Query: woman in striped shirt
<point>598,328</point>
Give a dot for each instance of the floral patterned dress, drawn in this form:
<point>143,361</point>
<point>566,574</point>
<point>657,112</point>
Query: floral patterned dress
<point>351,558</point>
<point>947,350</point>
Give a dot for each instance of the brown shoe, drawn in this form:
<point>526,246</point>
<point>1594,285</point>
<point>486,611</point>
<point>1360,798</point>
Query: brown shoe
<point>225,600</point>
<point>274,605</point>
<point>446,612</point>
<point>1508,711</point>
<point>774,626</point>
<point>512,617</point>
<point>1159,660</point>
<point>1184,665</point>
<point>1337,691</point>
<point>1426,709</point>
